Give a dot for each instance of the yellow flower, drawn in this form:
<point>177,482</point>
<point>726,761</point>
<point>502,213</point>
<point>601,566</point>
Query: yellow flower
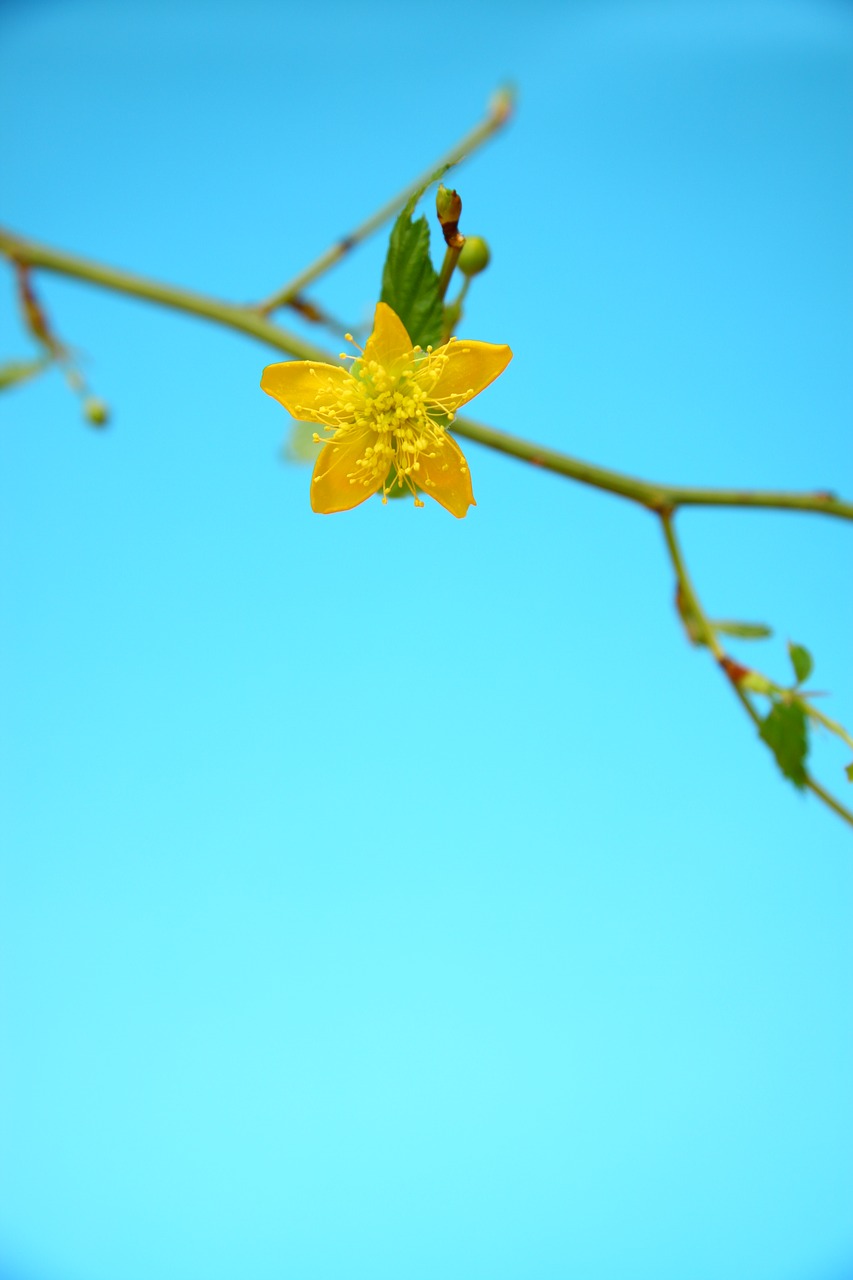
<point>388,414</point>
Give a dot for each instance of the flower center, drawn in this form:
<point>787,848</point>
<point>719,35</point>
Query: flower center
<point>399,419</point>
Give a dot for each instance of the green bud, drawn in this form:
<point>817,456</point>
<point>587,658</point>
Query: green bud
<point>475,256</point>
<point>448,204</point>
<point>96,412</point>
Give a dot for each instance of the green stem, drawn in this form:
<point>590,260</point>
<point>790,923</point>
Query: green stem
<point>832,725</point>
<point>656,497</point>
<point>463,292</point>
<point>244,319</point>
<point>664,500</point>
<point>829,799</point>
<point>707,634</point>
<point>448,266</point>
<point>692,601</point>
<point>499,112</point>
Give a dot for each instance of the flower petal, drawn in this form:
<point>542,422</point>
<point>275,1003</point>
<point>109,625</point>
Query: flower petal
<point>446,477</point>
<point>389,344</point>
<point>468,368</point>
<point>306,388</point>
<point>338,483</point>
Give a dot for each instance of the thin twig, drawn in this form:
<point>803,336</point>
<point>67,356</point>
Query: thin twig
<point>656,497</point>
<point>729,668</point>
<point>500,111</point>
<point>662,499</point>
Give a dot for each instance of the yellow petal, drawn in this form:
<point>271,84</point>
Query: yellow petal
<point>389,344</point>
<point>446,477</point>
<point>307,390</point>
<point>468,368</point>
<point>338,483</point>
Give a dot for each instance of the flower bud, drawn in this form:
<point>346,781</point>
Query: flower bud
<point>475,256</point>
<point>448,206</point>
<point>96,412</point>
<point>502,104</point>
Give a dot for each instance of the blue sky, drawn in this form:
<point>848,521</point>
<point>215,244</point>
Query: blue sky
<point>388,895</point>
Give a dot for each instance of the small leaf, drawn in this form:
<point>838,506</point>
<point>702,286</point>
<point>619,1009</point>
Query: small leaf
<point>410,281</point>
<point>849,772</point>
<point>784,730</point>
<point>801,661</point>
<point>743,630</point>
<point>299,445</point>
<point>20,370</point>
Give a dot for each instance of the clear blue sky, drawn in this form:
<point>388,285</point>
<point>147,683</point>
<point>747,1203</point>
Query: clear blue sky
<point>386,895</point>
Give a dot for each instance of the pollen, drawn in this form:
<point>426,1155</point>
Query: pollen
<point>386,414</point>
<point>394,410</point>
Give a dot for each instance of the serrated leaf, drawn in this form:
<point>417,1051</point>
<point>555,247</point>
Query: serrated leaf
<point>742,630</point>
<point>411,203</point>
<point>801,661</point>
<point>410,281</point>
<point>784,729</point>
<point>16,371</point>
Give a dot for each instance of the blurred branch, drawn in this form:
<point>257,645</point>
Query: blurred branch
<point>662,499</point>
<point>650,494</point>
<point>23,252</point>
<point>500,110</point>
<point>707,636</point>
<point>656,497</point>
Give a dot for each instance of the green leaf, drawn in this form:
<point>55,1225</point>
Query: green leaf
<point>785,732</point>
<point>849,772</point>
<point>20,370</point>
<point>801,661</point>
<point>413,199</point>
<point>743,630</point>
<point>410,281</point>
<point>300,446</point>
